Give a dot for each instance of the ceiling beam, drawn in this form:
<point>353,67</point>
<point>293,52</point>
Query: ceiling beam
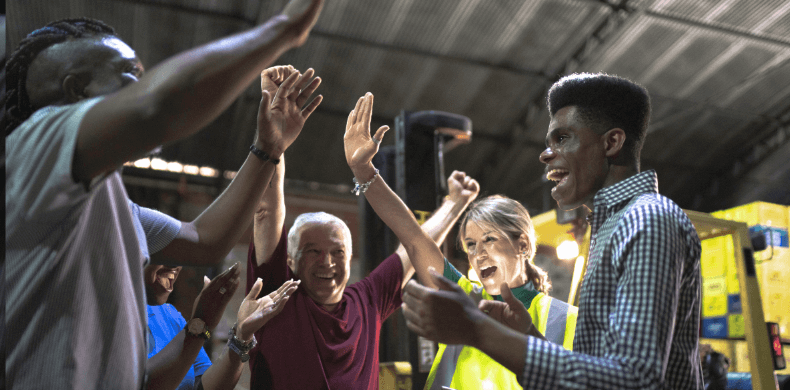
<point>739,32</point>
<point>730,180</point>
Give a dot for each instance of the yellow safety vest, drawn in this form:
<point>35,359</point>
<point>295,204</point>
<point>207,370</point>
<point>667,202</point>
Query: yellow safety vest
<point>462,367</point>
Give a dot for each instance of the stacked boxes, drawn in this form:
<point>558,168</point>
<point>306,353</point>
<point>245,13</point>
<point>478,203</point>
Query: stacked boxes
<point>721,299</point>
<point>720,279</point>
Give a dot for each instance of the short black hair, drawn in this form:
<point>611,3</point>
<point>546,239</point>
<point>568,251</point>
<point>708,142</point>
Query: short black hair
<point>605,102</point>
<point>17,102</point>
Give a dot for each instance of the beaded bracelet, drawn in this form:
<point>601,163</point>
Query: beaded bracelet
<point>263,155</point>
<point>363,187</point>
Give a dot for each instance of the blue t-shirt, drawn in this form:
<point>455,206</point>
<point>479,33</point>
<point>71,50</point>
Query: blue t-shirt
<point>164,323</point>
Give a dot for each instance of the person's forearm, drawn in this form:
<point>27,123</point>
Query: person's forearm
<point>391,209</point>
<point>224,372</point>
<point>169,366</point>
<point>437,227</point>
<point>209,238</point>
<point>270,216</point>
<point>188,91</point>
<point>505,345</point>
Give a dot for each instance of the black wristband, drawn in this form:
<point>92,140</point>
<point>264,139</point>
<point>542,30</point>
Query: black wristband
<point>263,155</point>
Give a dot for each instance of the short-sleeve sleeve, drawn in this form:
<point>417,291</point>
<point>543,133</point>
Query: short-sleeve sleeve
<point>274,272</point>
<point>159,229</point>
<point>40,189</point>
<point>384,285</point>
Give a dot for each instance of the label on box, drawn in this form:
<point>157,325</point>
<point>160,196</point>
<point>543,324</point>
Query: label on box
<point>734,304</point>
<point>716,285</point>
<point>714,328</point>
<point>735,326</point>
<point>714,306</point>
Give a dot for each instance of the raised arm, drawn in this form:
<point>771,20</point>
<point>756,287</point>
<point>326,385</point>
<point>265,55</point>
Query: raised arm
<point>270,211</point>
<point>463,190</point>
<point>360,149</point>
<point>184,93</point>
<point>207,239</point>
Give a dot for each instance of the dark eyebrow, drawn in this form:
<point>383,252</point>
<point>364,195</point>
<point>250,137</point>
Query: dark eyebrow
<point>552,134</point>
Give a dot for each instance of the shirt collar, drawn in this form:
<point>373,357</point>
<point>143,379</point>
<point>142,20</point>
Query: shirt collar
<point>624,190</point>
<point>523,293</point>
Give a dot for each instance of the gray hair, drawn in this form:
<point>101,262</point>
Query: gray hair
<point>305,220</point>
<point>509,218</point>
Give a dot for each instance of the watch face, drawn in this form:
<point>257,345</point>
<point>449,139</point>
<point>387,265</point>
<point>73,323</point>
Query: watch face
<point>196,326</point>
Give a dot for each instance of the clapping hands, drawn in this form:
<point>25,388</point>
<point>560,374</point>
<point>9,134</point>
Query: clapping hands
<point>255,313</point>
<point>210,303</point>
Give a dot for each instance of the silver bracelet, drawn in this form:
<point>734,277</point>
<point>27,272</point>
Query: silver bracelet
<point>241,348</point>
<point>363,187</point>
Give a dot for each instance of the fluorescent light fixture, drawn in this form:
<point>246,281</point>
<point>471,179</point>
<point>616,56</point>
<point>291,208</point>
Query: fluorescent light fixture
<point>175,167</point>
<point>158,164</point>
<point>143,163</point>
<point>191,169</point>
<point>208,172</point>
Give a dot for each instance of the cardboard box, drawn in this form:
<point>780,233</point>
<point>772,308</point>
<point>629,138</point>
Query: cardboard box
<point>714,328</point>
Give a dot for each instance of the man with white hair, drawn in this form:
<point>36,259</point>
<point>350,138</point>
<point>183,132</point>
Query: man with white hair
<point>327,335</point>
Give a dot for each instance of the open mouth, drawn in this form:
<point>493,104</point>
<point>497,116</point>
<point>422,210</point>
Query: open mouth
<point>487,272</point>
<point>325,275</point>
<point>558,175</point>
<point>167,279</point>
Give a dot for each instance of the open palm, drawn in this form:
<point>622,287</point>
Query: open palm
<point>255,313</point>
<point>359,145</point>
<point>281,118</point>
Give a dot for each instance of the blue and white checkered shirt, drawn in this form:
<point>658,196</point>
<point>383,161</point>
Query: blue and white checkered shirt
<point>639,304</point>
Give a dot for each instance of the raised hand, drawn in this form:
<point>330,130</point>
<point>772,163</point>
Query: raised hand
<point>446,315</point>
<point>510,313</point>
<point>302,15</point>
<point>272,78</point>
<point>210,303</point>
<point>281,118</point>
<point>462,188</point>
<point>255,313</point>
<point>360,147</point>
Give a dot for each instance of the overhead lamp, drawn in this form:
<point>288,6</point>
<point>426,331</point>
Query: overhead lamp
<point>158,164</point>
<point>143,163</point>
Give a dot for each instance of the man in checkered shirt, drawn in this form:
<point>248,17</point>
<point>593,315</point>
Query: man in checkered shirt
<point>639,304</point>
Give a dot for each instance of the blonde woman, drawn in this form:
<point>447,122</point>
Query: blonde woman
<point>498,235</point>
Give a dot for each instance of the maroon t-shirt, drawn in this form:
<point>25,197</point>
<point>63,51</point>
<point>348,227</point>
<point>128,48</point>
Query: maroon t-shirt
<point>305,347</point>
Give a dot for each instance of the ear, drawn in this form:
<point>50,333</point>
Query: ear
<point>74,88</point>
<point>291,264</point>
<point>614,139</point>
<point>523,243</point>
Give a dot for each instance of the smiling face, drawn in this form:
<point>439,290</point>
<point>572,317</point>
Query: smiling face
<point>494,257</point>
<point>159,282</point>
<point>323,263</point>
<point>575,157</point>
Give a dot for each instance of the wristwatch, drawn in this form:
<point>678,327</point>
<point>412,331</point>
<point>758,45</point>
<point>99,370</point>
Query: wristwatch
<point>197,328</point>
<point>241,348</point>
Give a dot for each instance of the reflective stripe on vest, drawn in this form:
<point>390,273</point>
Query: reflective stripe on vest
<point>463,367</point>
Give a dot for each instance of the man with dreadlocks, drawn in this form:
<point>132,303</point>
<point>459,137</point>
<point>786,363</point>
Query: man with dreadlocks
<point>78,107</point>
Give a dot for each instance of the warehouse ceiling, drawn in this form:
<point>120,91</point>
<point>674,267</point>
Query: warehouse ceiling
<point>718,73</point>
